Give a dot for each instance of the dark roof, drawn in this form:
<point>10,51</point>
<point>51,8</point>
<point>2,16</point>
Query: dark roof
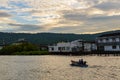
<point>87,41</point>
<point>110,34</point>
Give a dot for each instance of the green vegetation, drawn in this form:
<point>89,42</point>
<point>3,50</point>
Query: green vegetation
<point>38,39</point>
<point>47,38</point>
<point>22,49</point>
<point>43,38</point>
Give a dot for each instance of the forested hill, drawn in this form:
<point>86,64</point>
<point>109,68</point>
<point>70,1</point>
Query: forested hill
<point>47,38</point>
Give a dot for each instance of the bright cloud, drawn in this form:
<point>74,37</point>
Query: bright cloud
<point>66,16</point>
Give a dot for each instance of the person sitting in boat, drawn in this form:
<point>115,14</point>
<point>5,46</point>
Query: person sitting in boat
<point>84,63</point>
<point>81,61</point>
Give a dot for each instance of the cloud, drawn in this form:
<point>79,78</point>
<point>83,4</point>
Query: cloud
<point>5,18</point>
<point>19,4</point>
<point>65,29</point>
<point>22,28</point>
<point>4,14</point>
<point>88,27</point>
<point>94,20</point>
<point>27,27</point>
<point>70,16</point>
<point>74,16</point>
<point>108,5</point>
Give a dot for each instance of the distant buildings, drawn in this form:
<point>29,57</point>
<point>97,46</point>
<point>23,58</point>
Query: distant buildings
<point>109,42</point>
<point>74,46</point>
<point>89,46</point>
<point>103,43</point>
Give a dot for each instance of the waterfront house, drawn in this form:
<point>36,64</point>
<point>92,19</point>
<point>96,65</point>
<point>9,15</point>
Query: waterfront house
<point>73,46</point>
<point>89,46</point>
<point>109,42</point>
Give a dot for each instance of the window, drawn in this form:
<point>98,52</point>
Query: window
<point>67,48</point>
<point>52,49</point>
<point>113,39</point>
<point>107,39</point>
<point>63,48</point>
<point>101,48</point>
<point>59,48</point>
<point>117,40</point>
<point>114,47</point>
<point>101,40</point>
<point>110,39</point>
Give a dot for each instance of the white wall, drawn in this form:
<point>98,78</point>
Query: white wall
<point>110,40</point>
<point>94,47</point>
<point>104,41</point>
<point>61,45</point>
<point>87,47</point>
<point>117,39</point>
<point>65,45</point>
<point>109,48</point>
<point>54,47</point>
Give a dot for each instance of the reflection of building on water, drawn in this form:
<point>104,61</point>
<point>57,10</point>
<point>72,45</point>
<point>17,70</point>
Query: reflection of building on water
<point>106,42</point>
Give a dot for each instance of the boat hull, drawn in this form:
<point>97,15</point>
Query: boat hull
<point>75,63</point>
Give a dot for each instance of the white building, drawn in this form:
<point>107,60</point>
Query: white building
<point>66,47</point>
<point>89,46</point>
<point>74,46</point>
<point>109,42</point>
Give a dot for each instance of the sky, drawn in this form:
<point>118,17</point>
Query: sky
<point>59,16</point>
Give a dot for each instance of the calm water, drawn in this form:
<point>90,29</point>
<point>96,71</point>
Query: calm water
<point>58,68</point>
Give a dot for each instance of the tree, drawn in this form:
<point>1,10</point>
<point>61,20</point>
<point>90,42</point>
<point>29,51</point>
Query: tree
<point>11,49</point>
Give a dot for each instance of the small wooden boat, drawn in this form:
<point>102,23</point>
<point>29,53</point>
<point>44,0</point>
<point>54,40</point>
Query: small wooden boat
<point>77,63</point>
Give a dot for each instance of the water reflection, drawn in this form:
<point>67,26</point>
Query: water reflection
<point>58,68</point>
